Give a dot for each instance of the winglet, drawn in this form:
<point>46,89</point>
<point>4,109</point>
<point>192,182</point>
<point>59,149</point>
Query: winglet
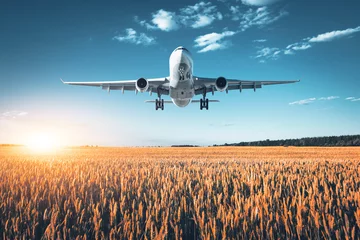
<point>62,80</point>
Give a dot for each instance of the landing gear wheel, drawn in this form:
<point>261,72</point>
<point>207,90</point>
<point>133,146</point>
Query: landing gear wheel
<point>204,103</point>
<point>159,104</point>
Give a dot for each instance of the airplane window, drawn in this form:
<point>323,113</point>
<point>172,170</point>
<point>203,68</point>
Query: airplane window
<point>182,48</point>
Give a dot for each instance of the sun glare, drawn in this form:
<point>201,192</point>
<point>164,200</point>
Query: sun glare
<point>43,143</point>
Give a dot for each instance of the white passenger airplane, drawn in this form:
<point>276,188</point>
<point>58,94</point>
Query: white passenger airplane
<point>181,85</point>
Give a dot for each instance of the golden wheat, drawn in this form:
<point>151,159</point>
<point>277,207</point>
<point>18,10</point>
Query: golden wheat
<point>181,193</point>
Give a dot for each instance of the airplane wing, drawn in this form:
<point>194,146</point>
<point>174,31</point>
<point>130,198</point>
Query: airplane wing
<point>209,84</point>
<point>155,85</point>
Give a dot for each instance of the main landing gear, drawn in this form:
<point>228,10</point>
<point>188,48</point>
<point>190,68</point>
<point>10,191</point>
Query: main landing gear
<point>159,104</point>
<point>204,102</point>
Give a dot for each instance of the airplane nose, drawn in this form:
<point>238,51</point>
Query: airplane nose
<point>183,56</point>
<point>180,52</point>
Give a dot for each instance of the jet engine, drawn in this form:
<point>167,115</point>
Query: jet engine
<point>221,84</point>
<point>142,85</point>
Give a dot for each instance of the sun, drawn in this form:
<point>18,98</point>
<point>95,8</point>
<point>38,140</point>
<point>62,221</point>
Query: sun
<point>43,142</point>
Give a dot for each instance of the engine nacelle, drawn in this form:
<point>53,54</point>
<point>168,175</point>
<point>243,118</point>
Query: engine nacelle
<point>221,84</point>
<point>142,85</point>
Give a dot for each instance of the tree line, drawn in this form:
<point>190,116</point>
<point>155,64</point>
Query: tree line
<point>346,140</point>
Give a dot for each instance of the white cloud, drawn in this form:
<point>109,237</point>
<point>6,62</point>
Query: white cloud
<point>298,46</point>
<point>259,2</point>
<point>165,21</point>
<point>307,43</point>
<point>205,13</point>
<point>352,99</point>
<point>201,7</point>
<point>136,38</point>
<point>202,21</point>
<point>260,40</point>
<point>215,46</point>
<point>330,36</point>
<point>303,102</point>
<point>235,12</point>
<point>302,47</point>
<point>13,114</point>
<point>213,41</point>
<point>274,52</point>
<point>268,53</point>
<point>199,15</point>
<point>288,52</point>
<point>196,16</point>
<point>260,17</point>
<point>144,23</point>
<point>329,98</point>
<point>311,100</point>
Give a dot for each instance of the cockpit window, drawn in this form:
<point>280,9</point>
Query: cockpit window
<point>182,48</point>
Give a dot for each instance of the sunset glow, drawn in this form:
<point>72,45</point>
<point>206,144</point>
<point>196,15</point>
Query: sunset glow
<point>43,142</point>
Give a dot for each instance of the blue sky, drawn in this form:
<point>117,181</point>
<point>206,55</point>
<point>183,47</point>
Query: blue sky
<point>315,41</point>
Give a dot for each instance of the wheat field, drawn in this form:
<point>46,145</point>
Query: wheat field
<point>180,193</point>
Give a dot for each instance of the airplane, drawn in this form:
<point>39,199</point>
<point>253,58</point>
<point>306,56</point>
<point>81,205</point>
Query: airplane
<point>181,85</point>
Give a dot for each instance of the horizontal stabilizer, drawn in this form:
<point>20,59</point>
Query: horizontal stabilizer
<point>153,101</point>
<point>197,101</point>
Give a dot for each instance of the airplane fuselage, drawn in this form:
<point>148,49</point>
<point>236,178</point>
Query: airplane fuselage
<point>181,89</point>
